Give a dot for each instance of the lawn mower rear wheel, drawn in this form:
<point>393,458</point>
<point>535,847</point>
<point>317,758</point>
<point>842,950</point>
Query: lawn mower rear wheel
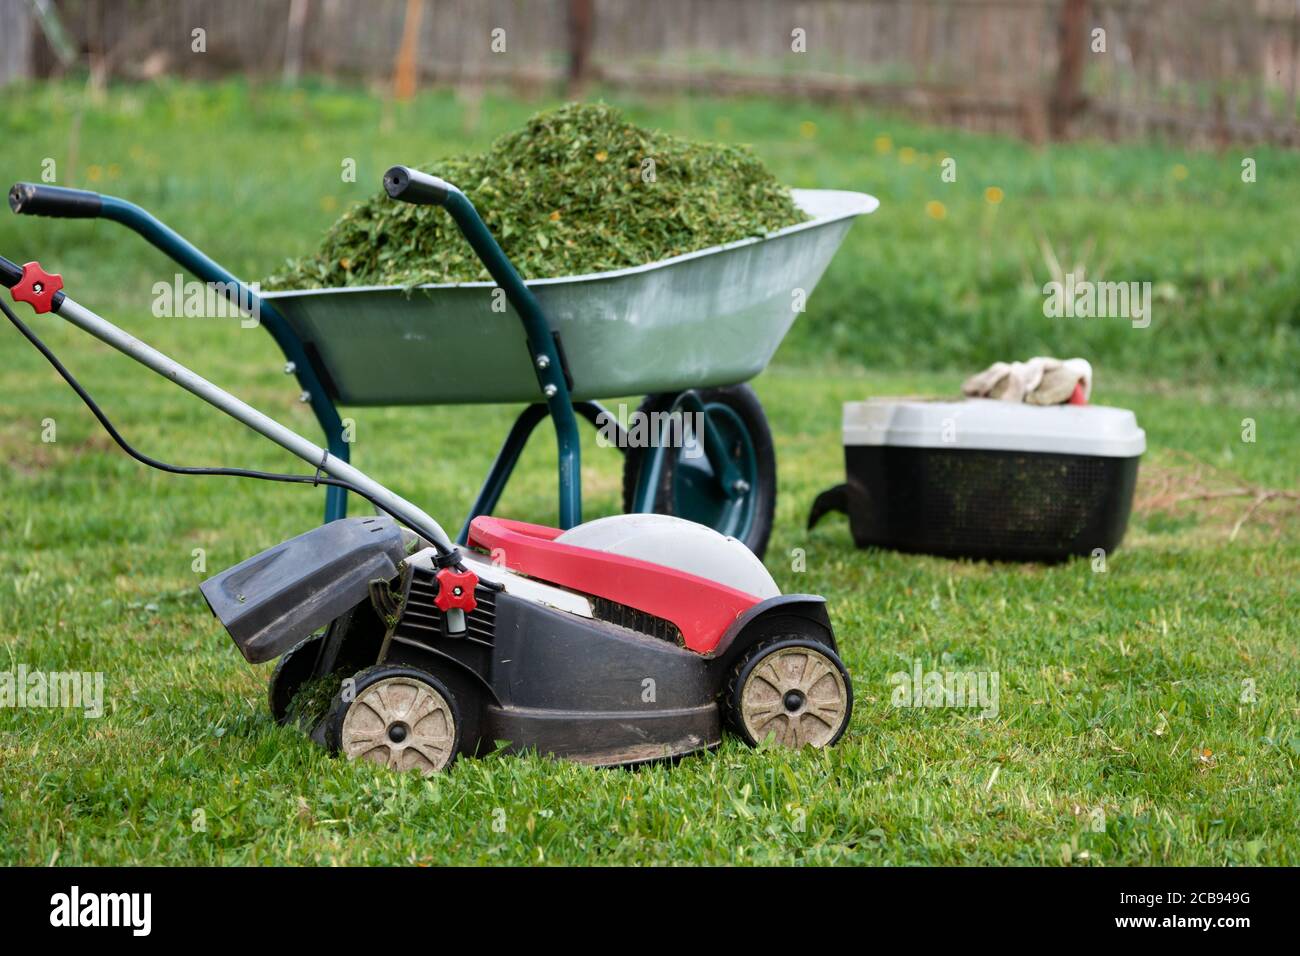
<point>399,717</point>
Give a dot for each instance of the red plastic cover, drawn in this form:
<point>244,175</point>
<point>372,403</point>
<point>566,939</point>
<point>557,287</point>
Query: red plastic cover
<point>701,609</point>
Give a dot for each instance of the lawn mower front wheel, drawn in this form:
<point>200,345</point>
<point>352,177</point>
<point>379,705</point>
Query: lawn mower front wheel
<point>793,689</point>
<point>399,717</point>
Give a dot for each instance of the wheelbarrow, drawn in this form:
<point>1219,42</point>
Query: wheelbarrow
<point>689,331</point>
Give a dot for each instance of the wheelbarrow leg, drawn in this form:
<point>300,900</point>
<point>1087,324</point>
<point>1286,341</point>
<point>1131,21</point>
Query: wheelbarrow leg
<point>336,497</point>
<point>569,451</point>
<point>503,466</point>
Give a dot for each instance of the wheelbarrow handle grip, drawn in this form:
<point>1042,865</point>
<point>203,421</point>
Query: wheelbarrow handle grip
<point>413,186</point>
<point>30,199</point>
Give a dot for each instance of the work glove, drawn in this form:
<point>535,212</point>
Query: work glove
<point>1039,381</point>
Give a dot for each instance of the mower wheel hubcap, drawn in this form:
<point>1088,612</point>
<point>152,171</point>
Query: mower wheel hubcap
<point>401,723</point>
<point>797,695</point>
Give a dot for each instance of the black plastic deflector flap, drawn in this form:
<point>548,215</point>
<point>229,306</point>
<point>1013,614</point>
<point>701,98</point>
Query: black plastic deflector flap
<point>275,599</point>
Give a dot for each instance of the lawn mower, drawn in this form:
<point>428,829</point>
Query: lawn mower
<point>616,641</point>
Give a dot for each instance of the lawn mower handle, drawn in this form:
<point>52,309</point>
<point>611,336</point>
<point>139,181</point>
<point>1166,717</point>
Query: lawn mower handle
<point>57,302</point>
<point>30,199</point>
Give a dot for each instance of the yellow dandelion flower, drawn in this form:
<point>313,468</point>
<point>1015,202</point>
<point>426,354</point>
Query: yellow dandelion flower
<point>907,155</point>
<point>93,173</point>
<point>936,210</point>
<point>884,144</point>
<point>1179,172</point>
<point>993,195</point>
<point>555,216</point>
<point>602,156</point>
<point>807,129</point>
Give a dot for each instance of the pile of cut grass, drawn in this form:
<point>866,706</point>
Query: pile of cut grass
<point>578,189</point>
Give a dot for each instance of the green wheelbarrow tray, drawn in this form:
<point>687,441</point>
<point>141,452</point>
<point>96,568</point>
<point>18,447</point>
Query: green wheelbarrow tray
<point>712,317</point>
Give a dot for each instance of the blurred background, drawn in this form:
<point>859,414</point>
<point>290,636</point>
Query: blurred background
<point>1199,70</point>
<point>1134,140</point>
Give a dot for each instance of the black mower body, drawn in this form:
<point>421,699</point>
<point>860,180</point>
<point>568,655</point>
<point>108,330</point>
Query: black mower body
<point>522,672</point>
<point>580,688</point>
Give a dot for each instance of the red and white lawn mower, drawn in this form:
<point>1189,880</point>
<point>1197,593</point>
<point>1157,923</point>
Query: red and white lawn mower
<point>621,640</point>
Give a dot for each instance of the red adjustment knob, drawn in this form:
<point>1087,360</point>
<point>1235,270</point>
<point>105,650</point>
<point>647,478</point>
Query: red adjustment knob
<point>37,287</point>
<point>456,589</point>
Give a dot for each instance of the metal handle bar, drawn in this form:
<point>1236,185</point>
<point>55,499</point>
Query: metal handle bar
<point>38,200</point>
<point>108,333</point>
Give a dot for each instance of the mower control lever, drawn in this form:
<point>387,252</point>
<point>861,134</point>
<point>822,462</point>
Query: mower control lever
<point>413,186</point>
<point>38,288</point>
<point>33,200</point>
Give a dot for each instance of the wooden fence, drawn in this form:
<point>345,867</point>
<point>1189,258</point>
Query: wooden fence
<point>15,40</point>
<point>1203,71</point>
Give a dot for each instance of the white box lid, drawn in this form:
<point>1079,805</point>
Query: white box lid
<point>991,425</point>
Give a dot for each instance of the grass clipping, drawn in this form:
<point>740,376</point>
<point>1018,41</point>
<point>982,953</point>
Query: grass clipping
<point>577,190</point>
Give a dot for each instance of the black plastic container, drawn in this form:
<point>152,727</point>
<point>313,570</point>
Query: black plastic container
<point>987,479</point>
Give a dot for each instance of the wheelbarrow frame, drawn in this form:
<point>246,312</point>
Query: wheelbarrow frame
<point>554,384</point>
<point>553,389</point>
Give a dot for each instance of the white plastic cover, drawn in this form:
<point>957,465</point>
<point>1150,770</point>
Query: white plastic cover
<point>677,543</point>
<point>990,425</point>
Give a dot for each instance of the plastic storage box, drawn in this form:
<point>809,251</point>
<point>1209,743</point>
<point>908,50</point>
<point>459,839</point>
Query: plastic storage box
<point>987,479</point>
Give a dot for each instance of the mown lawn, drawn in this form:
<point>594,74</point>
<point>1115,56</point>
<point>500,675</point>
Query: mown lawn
<point>1159,698</point>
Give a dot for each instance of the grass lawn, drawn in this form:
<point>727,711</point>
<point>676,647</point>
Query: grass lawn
<point>1159,698</point>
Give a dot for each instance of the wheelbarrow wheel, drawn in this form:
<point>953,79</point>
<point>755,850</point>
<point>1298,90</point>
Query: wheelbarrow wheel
<point>794,689</point>
<point>397,716</point>
<point>690,485</point>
